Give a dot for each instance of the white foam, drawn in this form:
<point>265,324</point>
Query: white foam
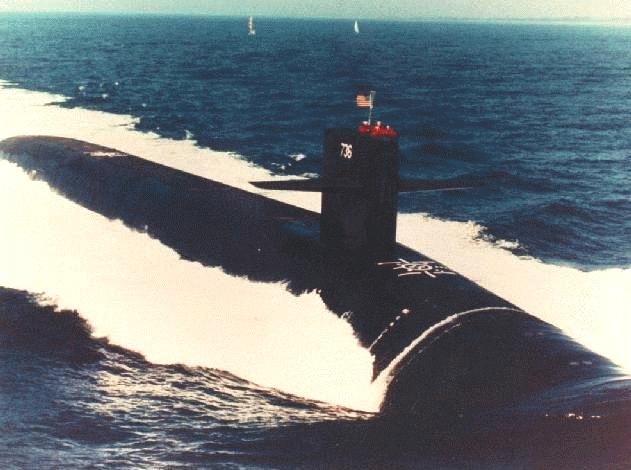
<point>25,112</point>
<point>297,157</point>
<point>593,307</point>
<point>141,295</point>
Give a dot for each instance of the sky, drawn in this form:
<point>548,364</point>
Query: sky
<point>385,9</point>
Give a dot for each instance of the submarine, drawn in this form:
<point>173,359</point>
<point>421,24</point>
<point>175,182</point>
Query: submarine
<point>439,340</point>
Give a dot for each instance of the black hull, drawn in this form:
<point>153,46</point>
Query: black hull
<point>445,342</point>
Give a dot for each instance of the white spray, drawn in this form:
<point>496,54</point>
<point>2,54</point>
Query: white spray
<point>121,281</point>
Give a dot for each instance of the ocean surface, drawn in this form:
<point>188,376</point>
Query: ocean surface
<point>117,352</point>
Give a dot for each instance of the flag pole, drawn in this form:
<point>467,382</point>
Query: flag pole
<point>372,96</point>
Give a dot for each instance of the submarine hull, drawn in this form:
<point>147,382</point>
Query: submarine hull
<point>428,327</point>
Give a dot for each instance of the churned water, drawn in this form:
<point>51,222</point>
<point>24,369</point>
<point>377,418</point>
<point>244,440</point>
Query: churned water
<point>537,112</point>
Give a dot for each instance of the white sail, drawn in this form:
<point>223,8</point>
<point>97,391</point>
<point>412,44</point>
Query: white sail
<point>251,30</point>
<point>356,27</point>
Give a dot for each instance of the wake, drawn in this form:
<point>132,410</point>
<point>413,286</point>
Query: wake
<point>144,297</point>
<point>140,294</point>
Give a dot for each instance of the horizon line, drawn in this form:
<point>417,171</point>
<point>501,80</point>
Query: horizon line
<point>570,19</point>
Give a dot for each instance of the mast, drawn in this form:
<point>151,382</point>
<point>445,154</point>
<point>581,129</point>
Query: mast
<point>251,30</point>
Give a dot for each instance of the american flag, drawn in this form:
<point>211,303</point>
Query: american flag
<point>363,100</point>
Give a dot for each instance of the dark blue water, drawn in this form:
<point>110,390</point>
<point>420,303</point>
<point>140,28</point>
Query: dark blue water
<point>70,400</point>
<point>539,112</point>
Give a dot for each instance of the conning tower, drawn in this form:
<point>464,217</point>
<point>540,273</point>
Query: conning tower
<point>359,185</point>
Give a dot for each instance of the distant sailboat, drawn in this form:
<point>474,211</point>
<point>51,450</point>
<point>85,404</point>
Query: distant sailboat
<point>251,30</point>
<point>356,27</point>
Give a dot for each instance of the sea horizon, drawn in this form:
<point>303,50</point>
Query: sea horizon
<point>570,20</point>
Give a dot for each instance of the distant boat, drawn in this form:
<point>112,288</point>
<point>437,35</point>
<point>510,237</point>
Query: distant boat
<point>251,30</point>
<point>356,27</point>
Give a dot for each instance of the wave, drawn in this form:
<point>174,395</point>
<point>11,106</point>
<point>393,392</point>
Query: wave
<point>144,297</point>
<point>196,324</point>
<point>592,307</point>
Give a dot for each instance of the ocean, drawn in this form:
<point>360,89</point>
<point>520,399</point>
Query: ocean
<point>118,352</point>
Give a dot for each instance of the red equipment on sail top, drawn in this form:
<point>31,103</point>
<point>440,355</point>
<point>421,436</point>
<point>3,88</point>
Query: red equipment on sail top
<point>376,130</point>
